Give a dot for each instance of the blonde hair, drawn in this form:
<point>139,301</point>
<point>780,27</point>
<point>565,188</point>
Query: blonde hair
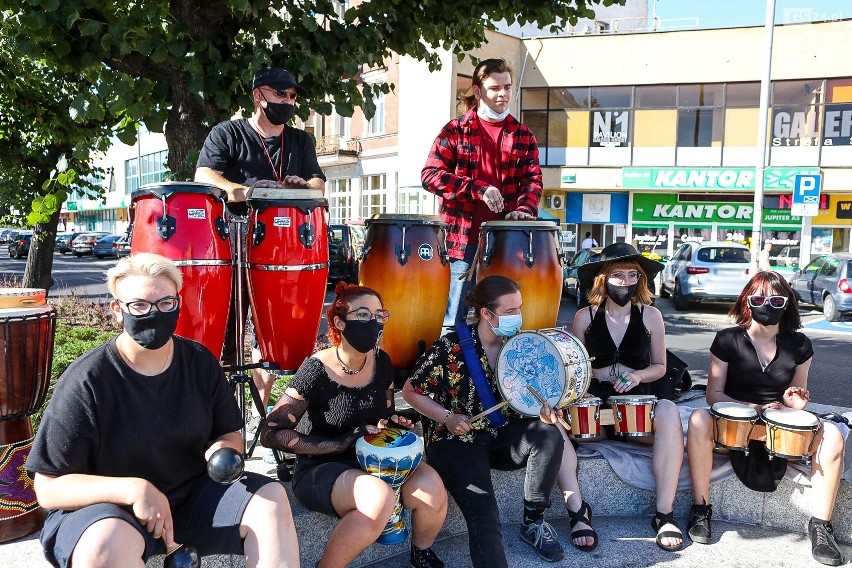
<point>143,264</point>
<point>598,294</point>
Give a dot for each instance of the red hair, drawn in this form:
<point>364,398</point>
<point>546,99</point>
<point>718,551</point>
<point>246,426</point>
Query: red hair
<point>345,294</point>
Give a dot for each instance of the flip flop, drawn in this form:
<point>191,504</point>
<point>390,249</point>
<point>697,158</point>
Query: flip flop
<point>661,519</point>
<point>583,515</point>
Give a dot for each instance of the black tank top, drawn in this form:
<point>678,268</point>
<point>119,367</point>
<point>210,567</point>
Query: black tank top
<point>635,348</point>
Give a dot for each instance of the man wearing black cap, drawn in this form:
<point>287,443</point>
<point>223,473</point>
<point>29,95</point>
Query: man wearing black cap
<point>239,153</point>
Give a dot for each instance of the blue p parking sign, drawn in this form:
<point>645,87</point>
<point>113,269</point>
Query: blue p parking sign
<point>806,195</point>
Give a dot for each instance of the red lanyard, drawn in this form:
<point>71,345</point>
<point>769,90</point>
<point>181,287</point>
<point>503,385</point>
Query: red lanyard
<point>278,175</point>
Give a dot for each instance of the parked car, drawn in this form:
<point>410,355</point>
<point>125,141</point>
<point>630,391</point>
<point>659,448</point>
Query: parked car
<point>570,282</point>
<point>122,246</point>
<point>826,281</point>
<point>788,256</point>
<point>84,242</point>
<point>63,242</point>
<point>106,246</point>
<point>345,242</point>
<point>705,271</point>
<point>7,234</point>
<point>19,246</point>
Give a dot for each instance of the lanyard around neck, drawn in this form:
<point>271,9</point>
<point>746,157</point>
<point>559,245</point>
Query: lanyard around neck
<point>279,177</point>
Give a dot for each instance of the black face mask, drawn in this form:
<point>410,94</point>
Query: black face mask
<point>620,294</point>
<point>363,335</point>
<point>278,113</point>
<point>153,330</point>
<point>767,315</point>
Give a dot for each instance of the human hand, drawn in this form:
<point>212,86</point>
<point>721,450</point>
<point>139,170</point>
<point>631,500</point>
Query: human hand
<point>398,420</point>
<point>625,382</point>
<point>152,509</point>
<point>493,199</point>
<point>796,397</point>
<point>295,182</point>
<point>548,414</point>
<point>457,424</point>
<point>519,215</point>
<point>774,405</point>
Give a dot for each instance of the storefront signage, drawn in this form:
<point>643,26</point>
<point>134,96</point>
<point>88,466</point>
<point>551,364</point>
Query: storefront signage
<point>844,210</point>
<point>609,128</point>
<point>800,127</point>
<point>712,179</point>
<point>837,130</point>
<point>667,208</point>
<point>785,201</point>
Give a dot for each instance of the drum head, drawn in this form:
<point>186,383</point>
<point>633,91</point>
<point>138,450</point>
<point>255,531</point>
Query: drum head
<point>588,401</point>
<point>394,218</point>
<point>733,410</point>
<point>790,418</point>
<point>578,365</point>
<point>631,399</point>
<point>518,226</point>
<point>530,359</point>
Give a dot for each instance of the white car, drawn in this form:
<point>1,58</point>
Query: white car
<point>706,271</point>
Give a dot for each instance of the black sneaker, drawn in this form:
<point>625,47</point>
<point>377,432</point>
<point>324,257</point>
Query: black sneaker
<point>698,526</point>
<point>542,538</point>
<point>424,558</point>
<point>823,546</point>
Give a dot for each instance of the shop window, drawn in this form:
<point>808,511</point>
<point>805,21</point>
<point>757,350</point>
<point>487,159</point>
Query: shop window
<point>794,135</point>
<point>534,99</point>
<point>701,95</point>
<point>610,97</point>
<point>798,93</point>
<point>740,140</point>
<point>837,124</point>
<point>699,137</point>
<point>569,97</point>
<point>568,138</point>
<point>654,137</point>
<point>742,95</point>
<point>656,96</point>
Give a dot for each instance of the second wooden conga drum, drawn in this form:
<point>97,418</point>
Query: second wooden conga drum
<point>526,252</point>
<point>405,260</point>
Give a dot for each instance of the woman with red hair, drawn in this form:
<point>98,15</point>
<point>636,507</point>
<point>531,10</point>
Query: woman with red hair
<point>347,392</point>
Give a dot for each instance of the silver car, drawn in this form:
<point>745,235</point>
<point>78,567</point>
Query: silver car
<point>705,271</point>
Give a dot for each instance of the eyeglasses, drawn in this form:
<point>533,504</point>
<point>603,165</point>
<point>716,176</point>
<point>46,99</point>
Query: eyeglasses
<point>773,301</point>
<point>282,94</point>
<point>364,314</point>
<point>631,276</point>
<point>143,307</point>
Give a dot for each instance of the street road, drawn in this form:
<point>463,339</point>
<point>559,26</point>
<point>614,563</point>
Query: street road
<point>688,334</point>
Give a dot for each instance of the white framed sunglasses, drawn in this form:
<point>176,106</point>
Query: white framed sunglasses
<point>757,301</point>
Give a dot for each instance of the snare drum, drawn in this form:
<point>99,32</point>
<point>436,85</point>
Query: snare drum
<point>526,252</point>
<point>789,432</point>
<point>405,260</point>
<point>185,222</point>
<point>585,418</point>
<point>552,361</point>
<point>287,256</point>
<point>634,414</point>
<point>26,353</point>
<point>733,424</point>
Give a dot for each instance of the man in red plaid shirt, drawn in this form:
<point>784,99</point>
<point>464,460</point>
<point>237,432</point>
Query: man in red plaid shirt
<point>484,167</point>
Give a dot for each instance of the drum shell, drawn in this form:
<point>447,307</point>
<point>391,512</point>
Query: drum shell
<point>392,455</point>
<point>732,432</point>
<point>790,441</point>
<point>286,277</point>
<point>415,293</point>
<point>503,249</point>
<point>585,418</point>
<point>633,415</point>
<point>201,251</point>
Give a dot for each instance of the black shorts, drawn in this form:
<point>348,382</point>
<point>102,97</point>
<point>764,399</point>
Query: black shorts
<point>314,479</point>
<point>209,520</point>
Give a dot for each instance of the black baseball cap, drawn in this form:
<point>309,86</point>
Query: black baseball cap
<point>278,79</point>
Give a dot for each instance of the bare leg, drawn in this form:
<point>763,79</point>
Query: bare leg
<point>826,468</point>
<point>109,542</point>
<point>569,485</point>
<point>268,529</point>
<point>425,495</point>
<point>263,380</point>
<point>365,504</point>
<point>699,446</point>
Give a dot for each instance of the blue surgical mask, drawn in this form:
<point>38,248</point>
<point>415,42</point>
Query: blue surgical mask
<point>507,326</point>
<point>486,111</point>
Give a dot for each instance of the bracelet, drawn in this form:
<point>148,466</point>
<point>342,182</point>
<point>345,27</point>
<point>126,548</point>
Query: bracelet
<point>446,417</point>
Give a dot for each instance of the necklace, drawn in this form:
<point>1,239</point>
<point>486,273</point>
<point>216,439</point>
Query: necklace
<point>279,173</point>
<point>346,369</point>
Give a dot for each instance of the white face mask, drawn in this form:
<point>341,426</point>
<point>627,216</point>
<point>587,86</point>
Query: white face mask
<point>487,112</point>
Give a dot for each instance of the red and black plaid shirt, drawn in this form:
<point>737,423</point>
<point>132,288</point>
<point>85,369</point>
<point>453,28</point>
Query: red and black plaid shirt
<point>454,162</point>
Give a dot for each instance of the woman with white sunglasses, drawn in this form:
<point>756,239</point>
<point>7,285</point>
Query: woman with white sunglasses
<point>763,362</point>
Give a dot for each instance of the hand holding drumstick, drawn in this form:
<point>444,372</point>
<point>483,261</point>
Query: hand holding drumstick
<point>548,415</point>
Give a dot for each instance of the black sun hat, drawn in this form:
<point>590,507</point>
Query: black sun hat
<point>614,253</point>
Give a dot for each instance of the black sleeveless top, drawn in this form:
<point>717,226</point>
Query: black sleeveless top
<point>635,348</point>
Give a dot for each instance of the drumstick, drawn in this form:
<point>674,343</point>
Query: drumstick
<point>486,412</point>
<point>543,402</point>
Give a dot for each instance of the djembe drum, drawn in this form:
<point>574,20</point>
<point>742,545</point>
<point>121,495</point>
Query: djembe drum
<point>185,222</point>
<point>405,260</point>
<point>526,252</point>
<point>392,455</point>
<point>27,327</point>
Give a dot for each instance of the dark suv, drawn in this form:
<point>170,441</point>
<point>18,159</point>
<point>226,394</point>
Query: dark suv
<point>19,246</point>
<point>345,243</point>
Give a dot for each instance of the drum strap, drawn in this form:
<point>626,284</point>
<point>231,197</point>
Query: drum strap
<point>477,375</point>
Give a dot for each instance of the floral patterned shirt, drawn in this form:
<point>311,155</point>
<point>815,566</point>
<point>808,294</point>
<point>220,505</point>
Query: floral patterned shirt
<point>443,375</point>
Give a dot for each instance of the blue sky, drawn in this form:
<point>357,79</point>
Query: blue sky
<point>731,13</point>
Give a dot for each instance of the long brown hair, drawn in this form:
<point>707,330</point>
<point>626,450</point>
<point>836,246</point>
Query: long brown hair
<point>768,283</point>
<point>482,71</point>
<point>598,294</point>
<point>345,294</point>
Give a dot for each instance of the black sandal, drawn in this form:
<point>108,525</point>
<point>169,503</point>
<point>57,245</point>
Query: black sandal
<point>583,515</point>
<point>658,521</point>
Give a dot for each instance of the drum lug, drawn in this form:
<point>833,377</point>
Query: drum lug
<point>651,414</point>
<point>307,234</point>
<point>221,228</point>
<point>530,256</point>
<point>486,250</point>
<point>259,233</point>
<point>402,252</point>
<point>165,227</point>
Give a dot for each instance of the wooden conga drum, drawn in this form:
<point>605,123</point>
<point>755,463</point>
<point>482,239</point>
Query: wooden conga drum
<point>526,252</point>
<point>27,327</point>
<point>405,260</point>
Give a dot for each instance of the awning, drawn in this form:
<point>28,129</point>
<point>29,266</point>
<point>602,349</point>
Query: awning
<point>545,216</point>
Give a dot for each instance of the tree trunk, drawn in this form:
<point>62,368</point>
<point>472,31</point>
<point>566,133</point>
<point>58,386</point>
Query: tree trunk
<point>185,132</point>
<point>40,258</point>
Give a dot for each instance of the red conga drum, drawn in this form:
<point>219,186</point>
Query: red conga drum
<point>185,222</point>
<point>287,255</point>
<point>405,260</point>
<point>526,252</point>
<point>26,352</point>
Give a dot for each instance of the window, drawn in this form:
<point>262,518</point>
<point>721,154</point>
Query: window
<point>340,200</point>
<point>154,169</point>
<point>376,125</point>
<point>373,195</point>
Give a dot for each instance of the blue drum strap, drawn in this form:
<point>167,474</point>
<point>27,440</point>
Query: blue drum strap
<point>477,375</point>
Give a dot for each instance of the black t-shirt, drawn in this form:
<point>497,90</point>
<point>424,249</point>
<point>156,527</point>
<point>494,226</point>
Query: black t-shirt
<point>106,419</point>
<point>746,380</point>
<point>234,148</point>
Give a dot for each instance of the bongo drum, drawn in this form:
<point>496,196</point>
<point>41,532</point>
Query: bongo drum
<point>733,424</point>
<point>26,353</point>
<point>585,418</point>
<point>287,256</point>
<point>526,252</point>
<point>789,432</point>
<point>405,260</point>
<point>634,414</point>
<point>392,455</point>
<point>185,222</point>
<point>552,361</point>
